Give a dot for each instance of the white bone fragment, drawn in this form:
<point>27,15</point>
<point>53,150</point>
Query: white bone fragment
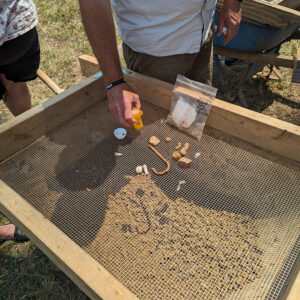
<point>118,154</point>
<point>180,183</point>
<point>197,154</point>
<point>139,169</point>
<point>145,168</point>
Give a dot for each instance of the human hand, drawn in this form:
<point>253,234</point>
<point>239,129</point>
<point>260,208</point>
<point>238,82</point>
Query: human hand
<point>231,16</point>
<point>121,99</point>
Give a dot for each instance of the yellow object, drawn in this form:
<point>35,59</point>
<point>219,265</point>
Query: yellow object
<point>137,114</point>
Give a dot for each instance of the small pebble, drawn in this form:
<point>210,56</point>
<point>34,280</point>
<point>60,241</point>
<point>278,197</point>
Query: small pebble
<point>154,141</point>
<point>88,189</point>
<point>184,162</point>
<point>139,169</point>
<point>178,146</point>
<point>176,155</point>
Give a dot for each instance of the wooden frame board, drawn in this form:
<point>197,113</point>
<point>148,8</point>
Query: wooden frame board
<point>293,4</point>
<point>89,275</point>
<point>21,131</point>
<point>84,271</point>
<point>271,59</point>
<point>260,130</point>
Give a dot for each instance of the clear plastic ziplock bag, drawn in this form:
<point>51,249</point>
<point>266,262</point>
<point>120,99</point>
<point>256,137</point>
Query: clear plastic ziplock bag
<point>191,104</point>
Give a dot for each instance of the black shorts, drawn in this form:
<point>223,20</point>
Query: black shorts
<point>20,58</point>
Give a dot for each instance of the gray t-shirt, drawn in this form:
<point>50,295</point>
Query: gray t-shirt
<point>16,18</point>
<point>164,27</point>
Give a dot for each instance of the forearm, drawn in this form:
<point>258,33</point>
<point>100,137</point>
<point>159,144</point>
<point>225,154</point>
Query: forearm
<point>99,26</point>
<point>235,4</point>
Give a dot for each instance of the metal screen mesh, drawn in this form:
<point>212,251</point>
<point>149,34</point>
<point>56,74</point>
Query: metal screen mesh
<point>230,232</point>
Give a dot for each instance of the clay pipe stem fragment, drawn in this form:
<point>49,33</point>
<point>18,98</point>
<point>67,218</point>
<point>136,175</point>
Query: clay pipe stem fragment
<point>163,159</point>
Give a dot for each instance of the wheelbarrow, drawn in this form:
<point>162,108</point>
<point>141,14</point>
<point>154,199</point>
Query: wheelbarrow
<point>259,39</point>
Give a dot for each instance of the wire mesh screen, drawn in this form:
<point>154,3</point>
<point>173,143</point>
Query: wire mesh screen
<point>230,230</point>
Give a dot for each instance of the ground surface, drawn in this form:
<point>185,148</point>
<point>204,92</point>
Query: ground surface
<point>25,273</point>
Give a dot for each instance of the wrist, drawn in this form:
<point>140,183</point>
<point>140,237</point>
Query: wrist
<point>232,2</point>
<point>115,83</point>
<point>111,74</point>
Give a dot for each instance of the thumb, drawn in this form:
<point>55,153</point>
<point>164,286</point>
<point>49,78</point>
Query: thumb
<point>127,114</point>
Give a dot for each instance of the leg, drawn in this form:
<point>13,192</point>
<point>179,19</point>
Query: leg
<point>17,96</point>
<point>7,232</point>
<point>202,68</point>
<point>165,68</point>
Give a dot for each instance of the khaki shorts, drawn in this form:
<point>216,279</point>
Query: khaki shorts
<point>197,66</point>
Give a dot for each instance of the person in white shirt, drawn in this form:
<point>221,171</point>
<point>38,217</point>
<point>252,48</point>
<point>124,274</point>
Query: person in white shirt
<point>161,38</point>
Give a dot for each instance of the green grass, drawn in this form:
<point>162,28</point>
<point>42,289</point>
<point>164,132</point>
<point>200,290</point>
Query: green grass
<point>25,273</point>
<point>28,274</point>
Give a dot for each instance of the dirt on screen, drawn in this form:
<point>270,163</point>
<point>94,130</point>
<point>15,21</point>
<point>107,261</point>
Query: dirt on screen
<point>161,248</point>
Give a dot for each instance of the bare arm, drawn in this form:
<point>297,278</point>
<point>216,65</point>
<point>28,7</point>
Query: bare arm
<point>99,26</point>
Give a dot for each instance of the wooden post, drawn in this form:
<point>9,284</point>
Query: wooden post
<point>49,82</point>
<point>296,72</point>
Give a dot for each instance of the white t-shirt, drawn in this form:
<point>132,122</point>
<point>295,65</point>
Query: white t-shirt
<point>164,27</point>
<point>16,18</point>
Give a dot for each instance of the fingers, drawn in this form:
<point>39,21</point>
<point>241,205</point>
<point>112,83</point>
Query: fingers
<point>222,18</point>
<point>116,111</point>
<point>119,114</point>
<point>136,101</point>
<point>231,32</point>
<point>128,116</point>
<point>125,118</point>
<point>230,16</point>
<point>120,101</point>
